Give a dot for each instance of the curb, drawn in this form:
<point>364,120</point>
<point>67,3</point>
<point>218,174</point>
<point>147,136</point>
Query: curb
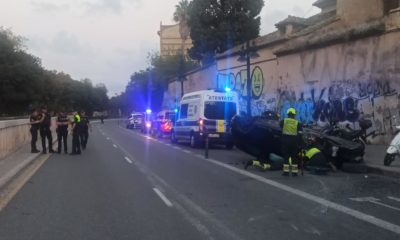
<point>13,172</point>
<point>381,170</point>
<point>6,178</point>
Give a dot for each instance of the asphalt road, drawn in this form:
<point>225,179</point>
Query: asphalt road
<point>130,186</point>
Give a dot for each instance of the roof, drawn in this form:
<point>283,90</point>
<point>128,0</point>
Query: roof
<point>291,20</point>
<point>308,25</point>
<point>324,3</point>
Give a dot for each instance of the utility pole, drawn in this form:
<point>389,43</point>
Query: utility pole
<point>246,54</point>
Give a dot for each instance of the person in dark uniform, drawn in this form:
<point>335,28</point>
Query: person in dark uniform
<point>76,131</point>
<point>45,131</point>
<point>290,143</point>
<point>62,131</point>
<point>34,120</point>
<point>85,125</point>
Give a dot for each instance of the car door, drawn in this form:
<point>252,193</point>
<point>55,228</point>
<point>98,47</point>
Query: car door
<point>180,125</point>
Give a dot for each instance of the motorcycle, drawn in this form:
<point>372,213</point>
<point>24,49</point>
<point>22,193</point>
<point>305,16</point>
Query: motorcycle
<point>393,150</point>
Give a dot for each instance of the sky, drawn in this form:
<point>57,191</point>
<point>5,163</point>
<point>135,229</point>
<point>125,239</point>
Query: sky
<point>107,40</point>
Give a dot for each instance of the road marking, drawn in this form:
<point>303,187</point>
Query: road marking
<point>177,148</point>
<point>115,146</point>
<point>108,138</point>
<point>374,201</point>
<point>128,160</point>
<point>187,151</point>
<point>340,208</point>
<point>394,198</point>
<point>163,197</point>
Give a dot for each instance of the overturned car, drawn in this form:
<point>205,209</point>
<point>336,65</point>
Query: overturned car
<point>261,136</point>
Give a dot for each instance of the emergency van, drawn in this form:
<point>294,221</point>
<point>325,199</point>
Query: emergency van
<point>206,113</point>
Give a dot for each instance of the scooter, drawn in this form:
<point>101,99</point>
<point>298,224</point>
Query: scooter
<point>394,149</point>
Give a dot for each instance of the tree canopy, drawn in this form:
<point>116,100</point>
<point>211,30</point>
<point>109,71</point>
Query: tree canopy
<point>146,87</point>
<point>218,25</point>
<point>25,84</point>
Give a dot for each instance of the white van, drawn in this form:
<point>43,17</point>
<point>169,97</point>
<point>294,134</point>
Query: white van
<point>206,112</point>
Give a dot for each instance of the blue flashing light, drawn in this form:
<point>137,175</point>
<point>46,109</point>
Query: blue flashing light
<point>228,89</point>
<point>148,111</point>
<point>176,110</point>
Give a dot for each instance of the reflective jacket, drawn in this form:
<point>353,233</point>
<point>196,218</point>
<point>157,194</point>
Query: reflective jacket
<point>290,127</point>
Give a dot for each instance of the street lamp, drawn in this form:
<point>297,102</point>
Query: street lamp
<point>246,54</point>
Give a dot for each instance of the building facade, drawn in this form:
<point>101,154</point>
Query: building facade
<point>171,42</point>
<point>338,65</point>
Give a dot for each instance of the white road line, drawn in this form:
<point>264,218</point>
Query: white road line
<point>163,197</point>
<point>108,138</point>
<point>394,198</point>
<point>128,160</point>
<point>115,146</point>
<point>340,208</point>
<point>187,151</point>
<point>177,148</point>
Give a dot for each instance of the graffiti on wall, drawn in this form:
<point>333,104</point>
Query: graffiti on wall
<point>341,101</point>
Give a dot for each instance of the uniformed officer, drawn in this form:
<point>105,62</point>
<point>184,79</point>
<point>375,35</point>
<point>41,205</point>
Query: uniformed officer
<point>62,131</point>
<point>35,122</point>
<point>290,142</point>
<point>76,129</point>
<point>85,125</point>
<point>45,132</point>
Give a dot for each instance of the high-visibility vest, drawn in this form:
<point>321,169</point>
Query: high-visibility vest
<point>311,152</point>
<point>290,127</point>
<point>78,118</point>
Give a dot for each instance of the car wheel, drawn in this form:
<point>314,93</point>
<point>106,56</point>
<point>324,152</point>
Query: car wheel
<point>389,158</point>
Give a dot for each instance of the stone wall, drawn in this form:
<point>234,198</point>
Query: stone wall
<point>14,134</point>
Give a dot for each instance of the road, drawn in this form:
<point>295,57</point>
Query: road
<point>130,186</point>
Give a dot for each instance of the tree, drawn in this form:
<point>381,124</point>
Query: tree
<point>218,25</point>
<point>25,84</point>
<point>181,16</point>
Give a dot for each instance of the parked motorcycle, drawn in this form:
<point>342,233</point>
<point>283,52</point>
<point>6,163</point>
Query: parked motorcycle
<point>393,150</point>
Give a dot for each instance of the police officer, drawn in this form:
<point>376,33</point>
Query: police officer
<point>35,122</point>
<point>62,131</point>
<point>85,125</point>
<point>76,131</point>
<point>45,131</point>
<point>290,142</point>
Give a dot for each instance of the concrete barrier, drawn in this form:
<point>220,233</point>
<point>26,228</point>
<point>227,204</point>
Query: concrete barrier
<point>14,134</point>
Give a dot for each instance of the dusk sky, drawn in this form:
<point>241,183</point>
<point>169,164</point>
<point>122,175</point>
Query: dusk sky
<point>107,40</point>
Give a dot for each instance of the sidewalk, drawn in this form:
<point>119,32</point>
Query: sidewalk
<point>374,155</point>
<point>14,163</point>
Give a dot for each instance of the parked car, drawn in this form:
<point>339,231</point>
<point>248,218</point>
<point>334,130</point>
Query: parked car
<point>203,113</point>
<point>135,121</point>
<point>162,124</point>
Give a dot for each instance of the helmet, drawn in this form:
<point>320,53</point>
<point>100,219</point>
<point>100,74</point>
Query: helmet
<point>291,111</point>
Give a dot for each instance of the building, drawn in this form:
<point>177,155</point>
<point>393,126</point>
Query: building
<point>339,64</point>
<point>171,42</point>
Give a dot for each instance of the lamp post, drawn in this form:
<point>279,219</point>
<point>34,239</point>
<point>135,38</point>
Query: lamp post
<point>247,53</point>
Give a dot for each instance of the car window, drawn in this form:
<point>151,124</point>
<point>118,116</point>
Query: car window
<point>184,111</point>
<point>219,110</point>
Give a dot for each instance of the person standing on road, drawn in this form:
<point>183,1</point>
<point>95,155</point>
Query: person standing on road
<point>62,131</point>
<point>290,142</point>
<point>85,124</point>
<point>45,131</point>
<point>34,120</point>
<point>76,129</point>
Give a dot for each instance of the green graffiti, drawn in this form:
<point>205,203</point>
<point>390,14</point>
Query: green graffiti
<point>257,83</point>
